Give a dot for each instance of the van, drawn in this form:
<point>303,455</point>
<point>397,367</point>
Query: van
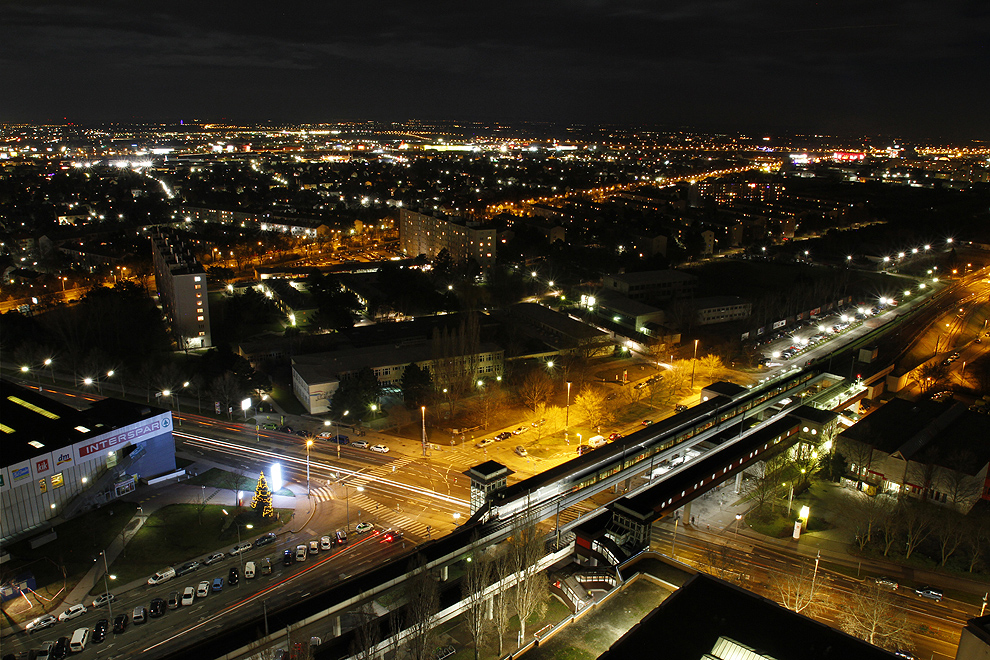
<point>79,640</point>
<point>249,570</point>
<point>162,576</point>
<point>597,441</point>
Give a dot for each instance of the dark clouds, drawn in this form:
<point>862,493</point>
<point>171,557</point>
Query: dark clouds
<point>847,66</point>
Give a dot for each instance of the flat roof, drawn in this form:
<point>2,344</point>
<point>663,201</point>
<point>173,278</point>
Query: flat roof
<point>651,276</point>
<point>32,424</point>
<point>940,433</point>
<point>708,617</point>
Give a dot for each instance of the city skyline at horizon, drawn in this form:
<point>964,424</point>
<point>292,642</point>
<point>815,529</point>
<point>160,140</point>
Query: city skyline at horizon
<point>737,66</point>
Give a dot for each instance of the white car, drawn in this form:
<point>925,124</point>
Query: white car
<point>42,622</point>
<point>188,594</point>
<point>363,527</point>
<point>381,449</point>
<point>203,590</point>
<point>72,612</point>
<point>239,548</point>
<point>484,443</point>
<point>520,430</point>
<point>103,599</point>
<point>360,444</point>
<point>325,543</point>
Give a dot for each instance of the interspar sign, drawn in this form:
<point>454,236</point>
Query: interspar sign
<point>138,432</point>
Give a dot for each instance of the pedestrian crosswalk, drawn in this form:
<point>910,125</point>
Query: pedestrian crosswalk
<point>387,518</point>
<point>322,494</point>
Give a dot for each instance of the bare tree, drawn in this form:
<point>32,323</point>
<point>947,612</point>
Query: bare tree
<point>960,489</point>
<point>712,366</point>
<point>860,456</point>
<point>977,537</point>
<point>455,361</point>
<point>477,578</point>
<point>593,404</point>
<point>530,594</point>
<point>226,390</point>
<point>502,566</point>
<point>867,512</point>
<point>721,563</point>
<point>768,480</point>
<point>891,526</point>
<point>367,635</point>
<point>797,592</point>
<point>536,389</point>
<point>423,603</point>
<point>873,616</point>
<point>553,421</point>
<point>950,533</point>
<point>930,376</point>
<point>489,404</point>
<point>919,522</point>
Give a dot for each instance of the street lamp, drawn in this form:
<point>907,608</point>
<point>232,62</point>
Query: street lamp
<point>694,363</point>
<point>309,443</point>
<point>240,555</point>
<point>106,585</point>
<point>567,412</point>
<point>48,363</point>
<point>422,410</point>
<point>738,518</point>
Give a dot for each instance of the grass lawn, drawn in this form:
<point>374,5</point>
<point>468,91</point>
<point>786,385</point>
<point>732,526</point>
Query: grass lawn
<point>180,532</point>
<point>79,541</point>
<point>287,401</point>
<point>217,478</point>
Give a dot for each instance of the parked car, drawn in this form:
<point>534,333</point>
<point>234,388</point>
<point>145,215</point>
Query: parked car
<point>360,444</point>
<point>646,422</point>
<point>314,547</point>
<point>120,623</point>
<point>233,577</point>
<point>680,407</point>
<point>139,615</point>
<point>929,592</point>
<point>381,449</point>
<point>217,584</point>
<point>41,623</point>
<point>249,570</point>
<point>60,649</point>
<point>340,537</point>
<point>173,600</point>
<point>300,552</point>
<point>520,430</point>
<point>612,437</point>
<point>266,566</point>
<point>214,558</point>
<point>72,613</point>
<point>203,590</point>
<point>100,630</point>
<point>521,450</point>
<point>240,547</point>
<point>187,568</point>
<point>485,443</point>
<point>537,423</point>
<point>157,608</point>
<point>504,435</point>
<point>363,527</point>
<point>188,596</point>
<point>265,539</point>
<point>326,543</point>
<point>103,599</point>
<point>287,558</point>
<point>583,449</point>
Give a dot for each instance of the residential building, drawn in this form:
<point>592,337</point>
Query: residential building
<point>181,284</point>
<point>420,233</point>
<point>719,309</point>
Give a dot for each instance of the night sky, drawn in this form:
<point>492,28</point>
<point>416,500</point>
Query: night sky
<point>916,69</point>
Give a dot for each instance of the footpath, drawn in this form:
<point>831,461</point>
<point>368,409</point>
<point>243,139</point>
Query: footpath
<point>152,498</point>
<point>715,519</point>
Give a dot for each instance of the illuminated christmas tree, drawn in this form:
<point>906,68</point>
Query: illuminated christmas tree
<point>262,500</point>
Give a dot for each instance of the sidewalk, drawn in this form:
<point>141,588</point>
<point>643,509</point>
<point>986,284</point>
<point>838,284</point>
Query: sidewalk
<point>152,498</point>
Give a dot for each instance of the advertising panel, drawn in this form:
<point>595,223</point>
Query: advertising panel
<point>42,465</point>
<point>4,479</point>
<point>131,434</point>
<point>19,473</point>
